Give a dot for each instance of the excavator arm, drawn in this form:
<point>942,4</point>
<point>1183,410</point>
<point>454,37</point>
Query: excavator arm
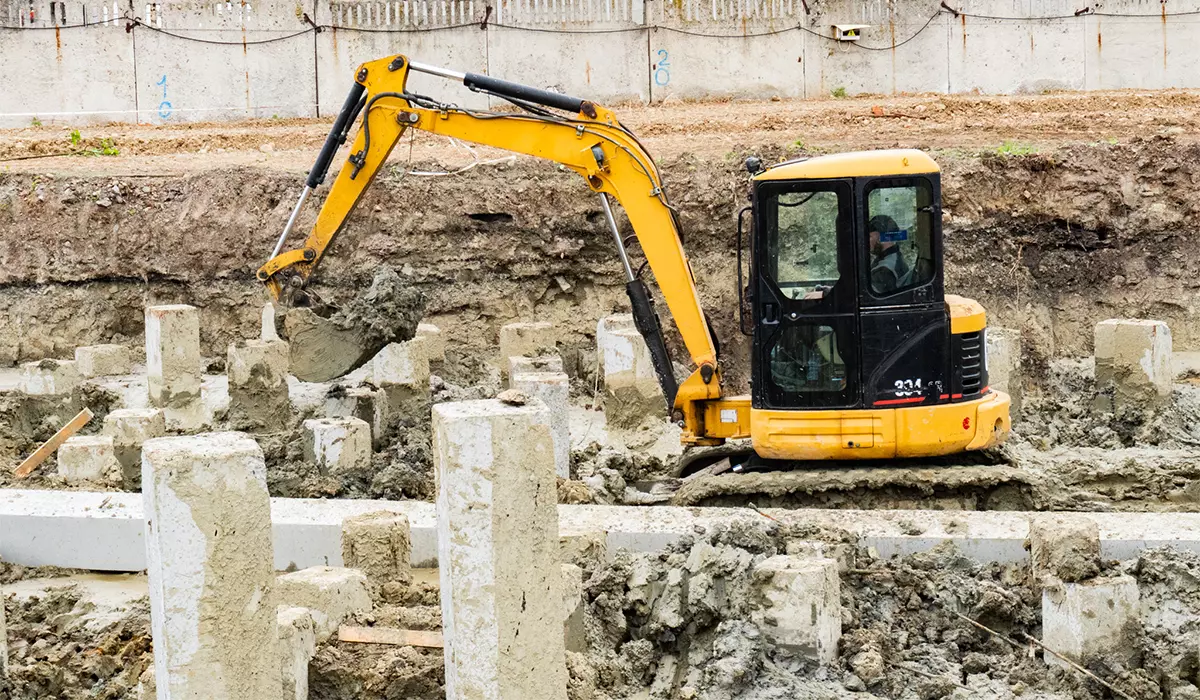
<point>590,141</point>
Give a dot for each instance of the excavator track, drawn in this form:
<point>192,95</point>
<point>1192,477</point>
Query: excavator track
<point>970,481</point>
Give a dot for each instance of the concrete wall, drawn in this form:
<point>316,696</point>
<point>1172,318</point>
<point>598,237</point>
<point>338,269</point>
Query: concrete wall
<point>264,59</point>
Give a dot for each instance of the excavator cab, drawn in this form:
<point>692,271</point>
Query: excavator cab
<point>857,351</point>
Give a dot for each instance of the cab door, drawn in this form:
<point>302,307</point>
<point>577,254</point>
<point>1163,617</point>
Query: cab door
<point>905,327</point>
<point>805,301</point>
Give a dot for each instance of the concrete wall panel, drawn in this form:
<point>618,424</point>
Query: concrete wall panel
<point>70,75</point>
<point>425,31</point>
<point>607,68</point>
<point>692,67</point>
<point>181,80</point>
<point>1142,52</point>
<point>993,56</point>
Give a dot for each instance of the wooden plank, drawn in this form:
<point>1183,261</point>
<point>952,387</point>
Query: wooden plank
<point>388,635</point>
<point>40,454</point>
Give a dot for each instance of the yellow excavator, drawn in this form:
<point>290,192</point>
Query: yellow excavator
<point>857,352</point>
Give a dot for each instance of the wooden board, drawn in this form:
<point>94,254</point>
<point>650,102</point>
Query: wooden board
<point>40,454</point>
<point>388,635</point>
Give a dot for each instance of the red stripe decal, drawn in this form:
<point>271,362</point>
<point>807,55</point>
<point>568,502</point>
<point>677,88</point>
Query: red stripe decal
<point>943,397</point>
<point>893,402</point>
<point>956,396</point>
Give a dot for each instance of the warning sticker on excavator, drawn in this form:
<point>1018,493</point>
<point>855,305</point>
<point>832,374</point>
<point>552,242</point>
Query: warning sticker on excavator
<point>893,236</point>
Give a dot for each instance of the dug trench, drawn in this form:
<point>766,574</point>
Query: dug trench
<point>1050,242</point>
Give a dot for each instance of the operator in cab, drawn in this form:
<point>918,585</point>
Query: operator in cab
<point>889,270</point>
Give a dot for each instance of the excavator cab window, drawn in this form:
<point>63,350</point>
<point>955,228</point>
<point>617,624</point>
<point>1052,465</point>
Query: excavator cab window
<point>899,236</point>
<point>805,296</point>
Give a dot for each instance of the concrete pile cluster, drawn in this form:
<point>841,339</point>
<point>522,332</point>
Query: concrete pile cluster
<point>225,625</point>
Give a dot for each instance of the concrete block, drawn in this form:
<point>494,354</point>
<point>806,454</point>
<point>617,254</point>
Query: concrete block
<point>843,554</point>
<point>605,327</point>
<point>1133,362</point>
<point>378,544</point>
<point>574,638</point>
<point>1095,619</point>
<point>332,594</point>
<point>1065,547</point>
<point>3,642</point>
<point>209,560</point>
<point>49,377</point>
<point>268,330</point>
<point>88,458</point>
<point>404,364</point>
<point>173,364</point>
<point>258,386</point>
<point>402,371</point>
<point>130,428</point>
<point>1004,363</point>
<point>586,550</point>
<point>103,360</point>
<point>498,549</point>
<point>434,342</point>
<point>554,390</point>
<point>535,339</point>
<point>337,445</point>
<point>365,403</point>
<point>297,645</point>
<point>799,605</point>
<point>631,389</point>
<point>529,365</point>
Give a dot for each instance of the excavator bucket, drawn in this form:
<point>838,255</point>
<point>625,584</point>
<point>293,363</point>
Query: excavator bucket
<point>328,342</point>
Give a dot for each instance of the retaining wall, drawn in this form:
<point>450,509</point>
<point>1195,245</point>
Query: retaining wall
<point>198,60</point>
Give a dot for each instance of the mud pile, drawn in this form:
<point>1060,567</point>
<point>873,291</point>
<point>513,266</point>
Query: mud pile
<point>62,647</point>
<point>324,348</point>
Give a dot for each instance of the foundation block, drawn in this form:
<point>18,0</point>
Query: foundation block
<point>1004,363</point>
<point>434,342</point>
<point>402,371</point>
<point>49,377</point>
<point>554,389</point>
<point>297,646</point>
<point>531,365</point>
<point>574,637</point>
<point>1092,619</point>
<point>337,445</point>
<point>103,360</point>
<point>365,403</point>
<point>799,605</point>
<point>268,331</point>
<point>1065,547</point>
<point>498,545</point>
<point>535,339</point>
<point>1133,362</point>
<point>631,389</point>
<point>606,327</point>
<point>3,642</point>
<point>586,550</point>
<point>331,594</point>
<point>258,387</point>
<point>209,560</point>
<point>130,428</point>
<point>88,458</point>
<point>379,545</point>
<point>173,364</point>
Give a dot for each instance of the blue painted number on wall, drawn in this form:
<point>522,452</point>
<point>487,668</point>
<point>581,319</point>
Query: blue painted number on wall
<point>662,69</point>
<point>164,107</point>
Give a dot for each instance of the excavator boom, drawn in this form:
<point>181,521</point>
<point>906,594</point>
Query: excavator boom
<point>590,141</point>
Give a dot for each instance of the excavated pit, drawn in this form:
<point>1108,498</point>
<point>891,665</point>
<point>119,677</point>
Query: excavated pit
<point>1050,242</point>
<point>1104,236</point>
